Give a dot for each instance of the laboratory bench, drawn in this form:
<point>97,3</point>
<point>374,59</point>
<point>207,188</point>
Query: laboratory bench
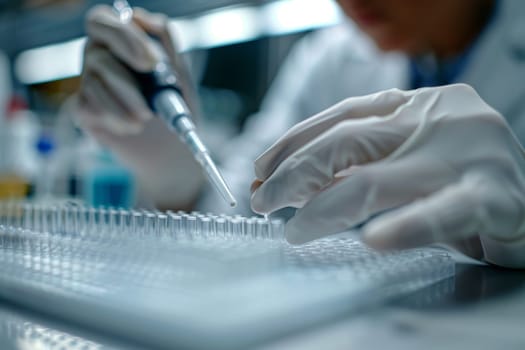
<point>482,307</point>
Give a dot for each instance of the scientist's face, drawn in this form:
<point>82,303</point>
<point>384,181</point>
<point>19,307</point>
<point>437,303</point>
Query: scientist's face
<point>409,25</point>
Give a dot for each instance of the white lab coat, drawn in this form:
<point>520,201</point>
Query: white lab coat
<point>341,62</point>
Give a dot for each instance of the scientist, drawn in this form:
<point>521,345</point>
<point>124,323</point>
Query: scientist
<point>390,43</point>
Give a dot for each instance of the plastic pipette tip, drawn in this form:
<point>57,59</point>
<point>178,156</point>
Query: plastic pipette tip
<point>216,179</point>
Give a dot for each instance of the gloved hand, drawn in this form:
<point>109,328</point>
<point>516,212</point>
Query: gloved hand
<point>110,106</point>
<point>109,96</point>
<point>432,165</point>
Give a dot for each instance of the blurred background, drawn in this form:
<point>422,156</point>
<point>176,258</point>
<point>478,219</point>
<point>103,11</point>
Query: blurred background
<point>235,48</point>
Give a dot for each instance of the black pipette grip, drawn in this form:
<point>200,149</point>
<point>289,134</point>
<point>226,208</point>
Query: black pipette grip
<point>160,79</point>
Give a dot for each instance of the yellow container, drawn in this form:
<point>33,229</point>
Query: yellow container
<point>13,186</point>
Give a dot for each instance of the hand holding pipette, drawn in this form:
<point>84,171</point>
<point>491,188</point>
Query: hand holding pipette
<point>126,75</point>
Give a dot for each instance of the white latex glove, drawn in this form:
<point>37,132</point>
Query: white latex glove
<point>446,164</point>
<point>110,106</point>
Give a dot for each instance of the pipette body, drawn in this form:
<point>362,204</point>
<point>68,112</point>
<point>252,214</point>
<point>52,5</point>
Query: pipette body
<point>161,89</point>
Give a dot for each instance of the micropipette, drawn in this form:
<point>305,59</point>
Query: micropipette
<point>165,97</point>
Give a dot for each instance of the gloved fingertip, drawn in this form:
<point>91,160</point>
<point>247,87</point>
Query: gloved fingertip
<point>295,240</point>
<point>154,23</point>
<point>393,234</point>
<point>99,12</point>
<point>270,196</point>
<point>298,232</point>
<point>141,14</point>
<point>262,201</point>
<point>377,235</point>
<point>257,203</point>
